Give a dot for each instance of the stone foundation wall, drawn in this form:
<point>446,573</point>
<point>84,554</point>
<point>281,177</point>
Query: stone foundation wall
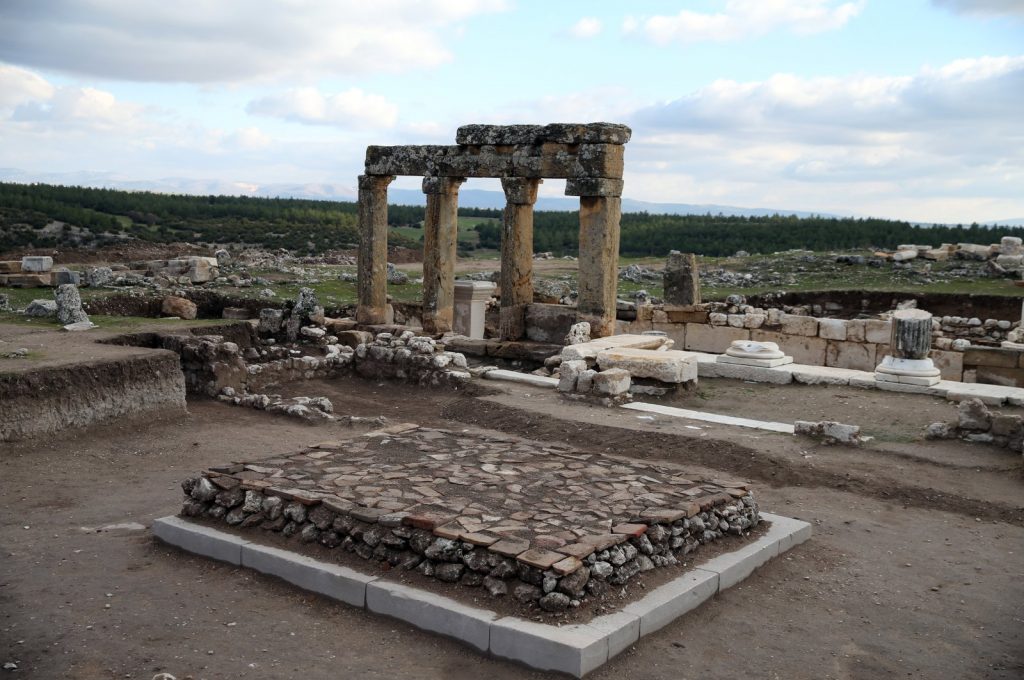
<point>858,344</point>
<point>415,542</point>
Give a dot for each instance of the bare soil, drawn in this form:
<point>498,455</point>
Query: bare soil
<point>914,569</point>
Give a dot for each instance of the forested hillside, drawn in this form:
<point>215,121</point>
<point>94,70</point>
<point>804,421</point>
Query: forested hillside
<point>718,235</point>
<point>93,217</point>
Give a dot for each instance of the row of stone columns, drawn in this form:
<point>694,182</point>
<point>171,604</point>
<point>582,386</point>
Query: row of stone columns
<point>600,209</point>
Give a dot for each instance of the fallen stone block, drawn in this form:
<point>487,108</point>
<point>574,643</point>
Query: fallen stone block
<point>829,430</point>
<point>612,382</point>
<point>36,264</point>
<point>179,307</point>
<point>670,366</point>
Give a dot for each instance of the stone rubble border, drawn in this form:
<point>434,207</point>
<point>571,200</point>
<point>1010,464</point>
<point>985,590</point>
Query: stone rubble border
<point>574,649</point>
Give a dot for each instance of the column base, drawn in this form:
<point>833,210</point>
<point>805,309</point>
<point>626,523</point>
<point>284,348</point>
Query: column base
<point>907,371</point>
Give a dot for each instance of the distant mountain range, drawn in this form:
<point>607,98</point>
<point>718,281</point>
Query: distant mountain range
<point>469,198</point>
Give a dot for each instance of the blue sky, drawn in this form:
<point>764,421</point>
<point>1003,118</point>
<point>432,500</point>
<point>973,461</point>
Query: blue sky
<point>897,108</point>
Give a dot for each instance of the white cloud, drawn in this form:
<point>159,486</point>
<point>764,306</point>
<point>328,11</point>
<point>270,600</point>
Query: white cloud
<point>352,108</point>
<point>18,86</point>
<point>587,27</point>
<point>925,146</point>
<point>740,19</point>
<point>983,7</point>
<point>230,40</point>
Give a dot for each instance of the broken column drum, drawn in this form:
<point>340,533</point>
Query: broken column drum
<point>588,156</point>
<point>910,342</point>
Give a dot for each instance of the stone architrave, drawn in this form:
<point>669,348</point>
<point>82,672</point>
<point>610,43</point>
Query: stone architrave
<point>682,279</point>
<point>373,249</point>
<point>440,236</point>
<point>600,213</point>
<point>910,342</point>
<point>516,255</point>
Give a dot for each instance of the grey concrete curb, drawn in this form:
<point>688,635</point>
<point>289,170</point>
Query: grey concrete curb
<point>576,649</point>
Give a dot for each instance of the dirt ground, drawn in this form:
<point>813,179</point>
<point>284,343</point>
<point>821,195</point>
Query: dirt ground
<point>914,571</point>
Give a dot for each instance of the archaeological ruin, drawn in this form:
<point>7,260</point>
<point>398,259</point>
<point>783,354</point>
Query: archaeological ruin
<point>588,157</point>
<point>546,470</point>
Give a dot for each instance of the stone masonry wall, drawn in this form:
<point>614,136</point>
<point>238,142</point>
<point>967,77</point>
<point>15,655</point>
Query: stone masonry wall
<point>858,344</point>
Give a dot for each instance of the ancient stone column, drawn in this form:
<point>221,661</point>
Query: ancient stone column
<point>373,248</point>
<point>516,255</point>
<point>910,341</point>
<point>682,279</point>
<point>440,235</point>
<point>911,334</point>
<point>600,212</point>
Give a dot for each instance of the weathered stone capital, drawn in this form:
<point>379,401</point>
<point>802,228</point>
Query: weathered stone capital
<point>372,182</point>
<point>442,185</point>
<point>520,190</point>
<point>593,186</point>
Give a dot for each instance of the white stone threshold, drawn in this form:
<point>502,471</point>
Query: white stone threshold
<point>785,428</point>
<point>574,649</point>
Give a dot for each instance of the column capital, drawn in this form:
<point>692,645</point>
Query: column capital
<point>442,185</point>
<point>375,181</point>
<point>593,186</point>
<point>520,190</point>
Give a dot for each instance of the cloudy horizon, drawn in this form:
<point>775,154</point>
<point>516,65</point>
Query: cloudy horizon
<point>905,110</point>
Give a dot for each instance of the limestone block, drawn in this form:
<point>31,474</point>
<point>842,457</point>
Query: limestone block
<point>36,264</point>
<point>673,331</point>
<point>877,331</point>
<point>858,356</point>
<point>990,356</point>
<point>546,160</point>
<point>681,279</point>
<point>754,320</point>
<point>202,269</point>
<point>63,276</point>
<point>856,331</point>
<point>179,307</point>
<point>950,364</point>
<point>28,280</point>
<point>10,266</point>
<point>803,349</point>
<point>671,366</point>
<point>590,350</point>
<point>832,329</point>
<point>561,133</point>
<point>569,373</point>
<point>593,186</point>
<point>612,382</point>
<point>799,325</point>
<point>549,323</point>
<point>705,338</point>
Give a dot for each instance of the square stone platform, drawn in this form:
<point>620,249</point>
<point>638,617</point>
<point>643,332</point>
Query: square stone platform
<point>544,524</point>
<point>553,525</point>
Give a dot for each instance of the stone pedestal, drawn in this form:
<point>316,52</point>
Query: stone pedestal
<point>440,235</point>
<point>516,255</point>
<point>752,353</point>
<point>681,279</point>
<point>470,307</point>
<point>373,249</point>
<point>910,342</point>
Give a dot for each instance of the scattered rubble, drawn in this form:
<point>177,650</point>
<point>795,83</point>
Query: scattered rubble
<point>829,431</point>
<point>976,423</point>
